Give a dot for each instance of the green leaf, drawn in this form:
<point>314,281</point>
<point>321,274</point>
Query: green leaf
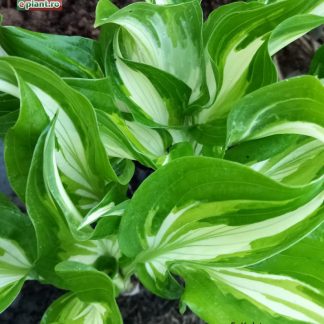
<point>287,288</point>
<point>259,73</point>
<point>22,138</point>
<point>261,70</point>
<point>243,29</point>
<point>106,226</point>
<point>292,29</point>
<point>146,36</point>
<point>55,185</point>
<point>104,9</point>
<point>98,91</point>
<point>17,227</point>
<point>174,94</point>
<point>114,193</point>
<point>298,165</point>
<point>130,139</point>
<point>243,63</point>
<point>68,56</point>
<point>9,110</point>
<point>210,211</point>
<point>51,229</point>
<point>17,251</point>
<point>154,98</point>
<point>55,240</point>
<point>9,104</point>
<point>291,159</point>
<point>289,107</point>
<point>317,66</point>
<point>107,208</point>
<point>260,149</point>
<point>83,163</point>
<point>91,300</point>
<point>144,82</point>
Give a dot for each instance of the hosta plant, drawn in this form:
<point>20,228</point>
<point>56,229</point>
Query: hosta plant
<point>229,221</point>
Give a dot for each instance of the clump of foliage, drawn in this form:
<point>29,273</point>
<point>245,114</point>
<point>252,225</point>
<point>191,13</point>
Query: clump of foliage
<point>229,222</point>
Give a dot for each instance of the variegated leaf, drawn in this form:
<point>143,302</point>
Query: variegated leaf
<point>67,56</point>
<point>287,288</point>
<point>299,164</point>
<point>289,107</point>
<point>209,211</point>
<point>17,251</point>
<point>55,240</point>
<point>83,165</point>
<point>139,55</point>
<point>91,300</point>
<point>229,64</point>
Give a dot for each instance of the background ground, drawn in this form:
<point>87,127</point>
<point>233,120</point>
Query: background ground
<point>77,19</point>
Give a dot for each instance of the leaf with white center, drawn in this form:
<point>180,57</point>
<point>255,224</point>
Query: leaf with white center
<point>294,106</point>
<point>298,165</point>
<point>243,29</point>
<point>291,159</point>
<point>260,73</point>
<point>147,36</point>
<point>130,139</point>
<point>89,252</point>
<point>91,300</point>
<point>211,211</point>
<point>55,186</point>
<point>169,98</point>
<point>68,56</point>
<point>71,309</point>
<point>292,29</point>
<point>82,161</point>
<point>286,288</point>
<point>50,226</point>
<point>152,96</point>
<point>108,219</point>
<point>112,204</point>
<point>54,238</point>
<point>17,251</point>
<point>103,254</point>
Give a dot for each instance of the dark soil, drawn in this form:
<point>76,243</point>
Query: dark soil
<point>31,304</point>
<point>77,19</point>
<point>295,59</point>
<point>142,308</point>
<point>153,310</point>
